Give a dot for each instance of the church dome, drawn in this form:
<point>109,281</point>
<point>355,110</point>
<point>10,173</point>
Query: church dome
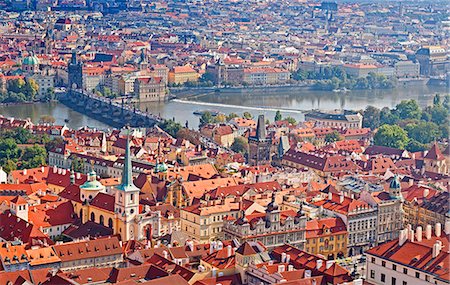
<point>30,60</point>
<point>92,183</point>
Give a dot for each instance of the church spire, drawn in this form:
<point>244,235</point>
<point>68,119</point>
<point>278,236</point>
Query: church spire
<point>127,174</point>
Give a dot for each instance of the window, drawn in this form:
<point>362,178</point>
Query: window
<point>405,271</point>
<point>383,277</point>
<point>427,278</point>
<point>373,260</point>
<point>417,275</point>
<point>394,267</point>
<point>404,283</point>
<point>372,274</point>
<point>383,263</point>
<point>394,281</point>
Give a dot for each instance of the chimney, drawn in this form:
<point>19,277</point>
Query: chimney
<point>288,258</point>
<point>42,169</point>
<point>308,273</point>
<point>283,257</point>
<point>330,196</point>
<point>436,249</point>
<point>211,248</point>
<point>447,227</point>
<point>281,268</point>
<point>426,192</point>
<point>165,254</point>
<point>78,175</point>
<point>329,263</point>
<point>402,236</point>
<point>213,272</point>
<point>319,263</point>
<point>25,171</point>
<point>290,267</point>
<point>411,235</point>
<point>437,229</point>
<point>428,232</point>
<point>229,250</point>
<point>341,199</point>
<point>419,233</point>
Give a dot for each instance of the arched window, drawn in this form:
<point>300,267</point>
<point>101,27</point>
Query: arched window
<point>110,223</point>
<point>102,220</point>
<point>93,217</point>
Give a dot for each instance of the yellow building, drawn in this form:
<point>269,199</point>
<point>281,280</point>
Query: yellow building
<point>327,237</point>
<point>182,74</point>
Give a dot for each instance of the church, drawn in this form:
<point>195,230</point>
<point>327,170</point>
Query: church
<point>120,211</point>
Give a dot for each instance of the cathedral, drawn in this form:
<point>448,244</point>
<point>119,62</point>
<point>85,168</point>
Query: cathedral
<point>120,211</point>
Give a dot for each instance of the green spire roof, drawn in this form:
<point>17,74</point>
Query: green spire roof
<point>30,60</point>
<point>127,175</point>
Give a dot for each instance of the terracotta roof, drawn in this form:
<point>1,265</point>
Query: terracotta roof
<point>434,153</point>
<point>51,214</point>
<point>418,255</point>
<point>12,228</point>
<point>103,201</point>
<point>88,249</point>
<point>316,228</point>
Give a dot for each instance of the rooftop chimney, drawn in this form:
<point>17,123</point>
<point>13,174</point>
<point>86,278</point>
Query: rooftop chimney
<point>290,267</point>
<point>283,257</point>
<point>436,249</point>
<point>428,232</point>
<point>281,268</point>
<point>329,263</point>
<point>437,229</point>
<point>447,227</point>
<point>403,236</point>
<point>330,196</point>
<point>341,198</point>
<point>319,263</point>
<point>419,233</point>
<point>229,250</point>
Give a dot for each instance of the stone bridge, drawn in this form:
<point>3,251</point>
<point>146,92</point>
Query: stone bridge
<point>105,110</point>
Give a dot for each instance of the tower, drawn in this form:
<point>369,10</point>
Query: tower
<point>395,190</point>
<point>126,200</point>
<point>75,71</point>
<point>272,213</point>
<point>259,145</point>
<point>19,207</point>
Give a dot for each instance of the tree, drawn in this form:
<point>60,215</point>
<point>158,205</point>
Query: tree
<point>49,145</point>
<point>278,116</point>
<point>291,120</point>
<point>371,118</point>
<point>388,117</point>
<point>16,85</point>
<point>232,116</point>
<point>247,115</point>
<point>77,164</point>
<point>8,150</point>
<point>333,137</point>
<point>414,146</point>
<point>206,118</point>
<point>47,119</point>
<point>34,156</point>
<point>30,89</point>
<point>220,118</point>
<point>240,145</point>
<point>9,165</point>
<point>423,132</point>
<point>408,109</point>
<point>437,100</point>
<point>171,127</point>
<point>391,136</point>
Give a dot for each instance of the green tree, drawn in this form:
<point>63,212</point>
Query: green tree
<point>49,145</point>
<point>391,136</point>
<point>30,89</point>
<point>423,132</point>
<point>408,109</point>
<point>371,118</point>
<point>9,165</point>
<point>77,164</point>
<point>34,156</point>
<point>388,117</point>
<point>291,120</point>
<point>232,116</point>
<point>16,85</point>
<point>240,145</point>
<point>247,115</point>
<point>414,146</point>
<point>437,100</point>
<point>171,127</point>
<point>8,150</point>
<point>206,118</point>
<point>220,118</point>
<point>333,137</point>
<point>278,116</point>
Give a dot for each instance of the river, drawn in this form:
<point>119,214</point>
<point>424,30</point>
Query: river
<point>266,101</point>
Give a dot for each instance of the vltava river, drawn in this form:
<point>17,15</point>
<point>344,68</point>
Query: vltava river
<point>290,102</point>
